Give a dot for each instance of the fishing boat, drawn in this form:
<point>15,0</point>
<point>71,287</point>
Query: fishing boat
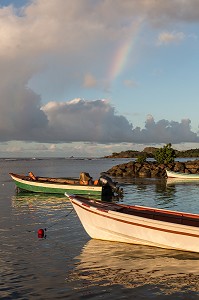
<point>138,224</point>
<point>171,174</point>
<point>84,185</point>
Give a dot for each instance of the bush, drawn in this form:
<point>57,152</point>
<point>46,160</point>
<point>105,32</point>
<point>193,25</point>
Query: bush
<point>141,158</point>
<point>165,154</point>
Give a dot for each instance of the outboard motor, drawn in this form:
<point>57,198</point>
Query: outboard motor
<point>106,181</point>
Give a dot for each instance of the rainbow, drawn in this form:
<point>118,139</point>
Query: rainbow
<point>120,60</point>
<point>122,54</point>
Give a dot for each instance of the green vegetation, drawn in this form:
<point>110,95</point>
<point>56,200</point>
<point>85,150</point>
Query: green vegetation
<point>141,158</point>
<point>188,153</point>
<point>165,155</point>
<point>150,152</point>
<point>125,154</point>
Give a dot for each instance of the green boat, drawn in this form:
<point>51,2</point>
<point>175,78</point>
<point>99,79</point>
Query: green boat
<point>79,186</point>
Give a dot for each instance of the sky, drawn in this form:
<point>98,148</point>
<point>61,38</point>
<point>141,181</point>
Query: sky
<point>93,77</point>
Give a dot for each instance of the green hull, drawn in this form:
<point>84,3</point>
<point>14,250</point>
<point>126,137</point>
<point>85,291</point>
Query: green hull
<point>58,189</point>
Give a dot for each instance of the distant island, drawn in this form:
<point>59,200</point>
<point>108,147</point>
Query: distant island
<point>149,152</point>
<point>163,158</point>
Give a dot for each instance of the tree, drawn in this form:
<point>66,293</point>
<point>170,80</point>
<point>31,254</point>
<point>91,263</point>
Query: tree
<point>165,154</point>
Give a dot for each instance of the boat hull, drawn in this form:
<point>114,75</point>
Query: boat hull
<point>177,175</point>
<point>115,226</point>
<point>55,188</point>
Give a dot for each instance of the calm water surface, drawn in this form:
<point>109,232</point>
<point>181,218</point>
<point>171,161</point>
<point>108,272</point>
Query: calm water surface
<point>67,264</point>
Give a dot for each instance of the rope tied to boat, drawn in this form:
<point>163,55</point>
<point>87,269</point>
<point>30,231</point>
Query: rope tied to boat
<point>41,232</point>
<point>62,218</point>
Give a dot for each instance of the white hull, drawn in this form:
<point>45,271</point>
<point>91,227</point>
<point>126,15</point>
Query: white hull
<point>178,175</point>
<point>116,226</point>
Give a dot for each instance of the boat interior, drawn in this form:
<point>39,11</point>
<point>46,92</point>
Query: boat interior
<point>147,212</point>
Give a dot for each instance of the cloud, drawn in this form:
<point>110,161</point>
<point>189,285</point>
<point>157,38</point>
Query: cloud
<point>20,115</point>
<point>80,120</point>
<point>96,122</point>
<point>165,131</point>
<point>61,41</point>
<point>166,38</point>
<point>89,81</point>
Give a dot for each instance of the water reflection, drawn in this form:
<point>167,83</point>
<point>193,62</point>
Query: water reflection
<point>161,194</point>
<point>132,266</point>
<point>174,181</point>
<point>40,211</point>
<point>51,200</point>
<point>37,199</point>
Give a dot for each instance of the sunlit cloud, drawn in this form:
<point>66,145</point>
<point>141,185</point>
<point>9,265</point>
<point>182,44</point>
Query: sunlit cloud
<point>89,81</point>
<point>166,38</point>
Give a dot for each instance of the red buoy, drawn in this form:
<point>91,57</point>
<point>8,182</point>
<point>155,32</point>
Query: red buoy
<point>40,233</point>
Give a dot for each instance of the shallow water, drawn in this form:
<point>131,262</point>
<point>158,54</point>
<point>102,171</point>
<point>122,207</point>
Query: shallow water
<point>67,264</point>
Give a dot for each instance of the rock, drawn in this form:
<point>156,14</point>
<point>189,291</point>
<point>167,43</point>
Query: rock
<point>144,173</point>
<point>152,169</point>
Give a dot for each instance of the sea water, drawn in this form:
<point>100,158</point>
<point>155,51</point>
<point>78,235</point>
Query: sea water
<point>66,263</point>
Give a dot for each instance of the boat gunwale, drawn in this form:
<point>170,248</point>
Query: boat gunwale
<point>150,213</point>
<point>28,181</point>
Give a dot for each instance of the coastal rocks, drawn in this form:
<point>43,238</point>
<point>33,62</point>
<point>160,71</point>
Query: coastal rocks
<point>135,169</point>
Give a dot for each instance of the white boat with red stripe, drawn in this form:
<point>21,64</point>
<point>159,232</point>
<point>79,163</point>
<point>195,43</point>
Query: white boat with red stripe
<point>138,224</point>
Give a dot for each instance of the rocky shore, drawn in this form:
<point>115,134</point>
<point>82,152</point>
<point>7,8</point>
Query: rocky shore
<point>135,169</point>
